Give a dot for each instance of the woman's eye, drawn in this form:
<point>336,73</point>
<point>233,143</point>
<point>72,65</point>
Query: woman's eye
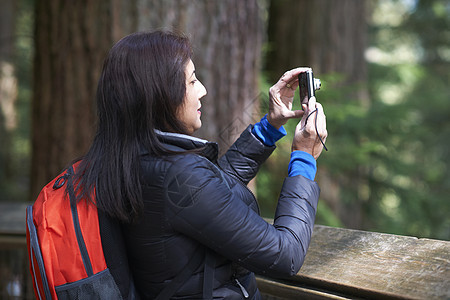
<point>193,81</point>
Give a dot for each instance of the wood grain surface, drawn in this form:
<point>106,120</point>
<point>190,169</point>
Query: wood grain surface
<point>359,264</point>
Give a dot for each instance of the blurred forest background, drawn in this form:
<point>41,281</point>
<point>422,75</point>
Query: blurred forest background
<point>384,66</point>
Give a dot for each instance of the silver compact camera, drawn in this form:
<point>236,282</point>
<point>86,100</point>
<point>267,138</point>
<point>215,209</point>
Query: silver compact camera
<point>308,85</point>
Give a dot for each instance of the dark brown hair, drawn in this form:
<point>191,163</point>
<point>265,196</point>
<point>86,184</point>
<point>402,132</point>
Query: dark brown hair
<point>141,86</point>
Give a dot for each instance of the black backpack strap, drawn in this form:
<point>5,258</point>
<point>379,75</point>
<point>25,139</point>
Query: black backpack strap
<point>115,254</point>
<point>194,262</point>
<point>76,224</point>
<point>208,275</point>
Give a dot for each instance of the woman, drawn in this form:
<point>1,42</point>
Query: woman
<point>191,226</point>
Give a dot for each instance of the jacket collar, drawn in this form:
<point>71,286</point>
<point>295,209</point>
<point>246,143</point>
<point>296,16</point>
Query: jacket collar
<point>182,142</point>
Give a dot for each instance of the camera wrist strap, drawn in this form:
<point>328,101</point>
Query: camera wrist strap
<point>317,131</point>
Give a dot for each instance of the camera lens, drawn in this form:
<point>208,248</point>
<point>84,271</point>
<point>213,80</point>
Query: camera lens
<point>317,84</point>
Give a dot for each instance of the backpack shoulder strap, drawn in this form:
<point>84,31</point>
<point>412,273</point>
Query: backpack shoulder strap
<point>208,275</point>
<point>77,226</point>
<point>116,255</point>
<point>36,260</point>
<point>193,263</point>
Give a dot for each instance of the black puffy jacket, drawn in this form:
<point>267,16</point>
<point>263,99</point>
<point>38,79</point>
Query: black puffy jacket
<point>194,201</point>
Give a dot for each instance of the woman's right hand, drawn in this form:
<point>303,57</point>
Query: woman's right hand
<point>305,137</point>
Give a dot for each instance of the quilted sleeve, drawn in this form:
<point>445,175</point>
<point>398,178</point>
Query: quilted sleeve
<point>201,205</point>
<point>243,158</point>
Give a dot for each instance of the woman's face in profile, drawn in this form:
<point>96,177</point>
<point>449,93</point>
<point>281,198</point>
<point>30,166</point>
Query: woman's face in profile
<point>189,113</point>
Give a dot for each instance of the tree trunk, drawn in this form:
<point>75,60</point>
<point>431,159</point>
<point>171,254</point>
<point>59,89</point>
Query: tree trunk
<point>331,37</point>
<point>227,37</point>
<point>72,38</point>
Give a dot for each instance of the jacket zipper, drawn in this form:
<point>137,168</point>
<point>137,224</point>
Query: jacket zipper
<point>243,290</point>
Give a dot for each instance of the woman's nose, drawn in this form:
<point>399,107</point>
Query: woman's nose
<point>204,91</point>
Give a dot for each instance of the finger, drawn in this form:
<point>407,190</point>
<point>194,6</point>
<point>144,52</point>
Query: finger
<point>293,85</point>
<point>298,113</point>
<point>310,114</point>
<point>290,78</point>
<point>305,119</point>
<point>293,114</point>
<point>312,104</point>
<point>292,75</point>
<point>320,109</point>
<point>321,121</point>
<point>320,112</point>
<point>281,84</point>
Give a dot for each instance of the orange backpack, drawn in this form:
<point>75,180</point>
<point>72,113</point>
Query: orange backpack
<point>65,246</point>
<point>77,252</point>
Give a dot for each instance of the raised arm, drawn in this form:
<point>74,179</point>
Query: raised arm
<point>257,142</point>
<point>244,157</point>
<point>213,214</point>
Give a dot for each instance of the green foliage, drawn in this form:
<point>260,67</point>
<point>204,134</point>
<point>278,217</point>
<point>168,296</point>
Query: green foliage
<point>411,181</point>
<point>389,154</point>
<point>14,183</point>
<point>271,176</point>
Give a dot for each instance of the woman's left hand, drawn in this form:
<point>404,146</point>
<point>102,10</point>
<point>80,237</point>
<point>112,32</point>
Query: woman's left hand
<point>281,96</point>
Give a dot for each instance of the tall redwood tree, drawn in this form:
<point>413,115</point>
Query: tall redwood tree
<point>72,39</point>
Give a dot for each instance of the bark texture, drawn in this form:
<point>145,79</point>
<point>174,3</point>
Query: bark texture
<point>227,37</point>
<point>73,37</point>
<point>71,40</point>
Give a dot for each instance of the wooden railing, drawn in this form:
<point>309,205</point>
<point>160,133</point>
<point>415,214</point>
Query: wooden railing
<point>349,264</point>
<point>340,264</point>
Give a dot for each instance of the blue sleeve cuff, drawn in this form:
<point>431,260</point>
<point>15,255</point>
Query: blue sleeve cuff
<point>302,163</point>
<point>268,134</point>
